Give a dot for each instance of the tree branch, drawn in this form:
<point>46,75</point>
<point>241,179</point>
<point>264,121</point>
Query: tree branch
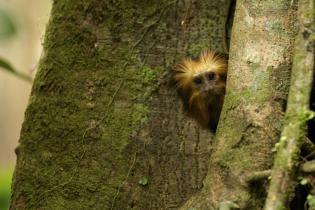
<point>285,164</point>
<point>308,167</point>
<point>257,176</point>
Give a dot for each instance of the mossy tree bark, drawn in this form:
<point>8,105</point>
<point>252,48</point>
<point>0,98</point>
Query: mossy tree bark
<point>104,129</point>
<point>284,174</point>
<point>258,80</point>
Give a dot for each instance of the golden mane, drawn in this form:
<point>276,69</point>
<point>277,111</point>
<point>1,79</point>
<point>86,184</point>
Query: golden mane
<point>207,61</point>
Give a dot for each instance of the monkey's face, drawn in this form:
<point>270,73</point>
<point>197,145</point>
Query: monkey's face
<point>209,84</point>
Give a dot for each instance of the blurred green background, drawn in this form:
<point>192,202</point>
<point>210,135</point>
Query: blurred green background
<point>22,26</point>
<point>5,186</point>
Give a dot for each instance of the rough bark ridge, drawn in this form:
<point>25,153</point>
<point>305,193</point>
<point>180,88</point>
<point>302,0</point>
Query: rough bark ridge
<point>102,129</point>
<point>258,80</point>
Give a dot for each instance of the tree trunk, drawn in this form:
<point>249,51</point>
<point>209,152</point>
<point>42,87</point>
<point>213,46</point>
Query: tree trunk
<point>104,128</point>
<point>284,173</point>
<point>258,80</point>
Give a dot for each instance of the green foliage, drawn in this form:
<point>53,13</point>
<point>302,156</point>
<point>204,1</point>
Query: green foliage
<point>5,188</point>
<point>7,26</point>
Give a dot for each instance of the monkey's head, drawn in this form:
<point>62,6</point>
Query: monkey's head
<point>202,80</point>
<point>208,84</point>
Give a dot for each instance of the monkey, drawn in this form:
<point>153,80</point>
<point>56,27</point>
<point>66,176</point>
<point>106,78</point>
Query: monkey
<point>201,85</point>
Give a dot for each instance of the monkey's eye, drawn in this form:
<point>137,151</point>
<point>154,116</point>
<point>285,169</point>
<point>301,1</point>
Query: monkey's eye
<point>197,81</point>
<point>211,76</point>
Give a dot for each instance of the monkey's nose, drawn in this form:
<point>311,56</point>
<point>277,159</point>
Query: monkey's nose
<point>209,89</point>
<point>207,92</point>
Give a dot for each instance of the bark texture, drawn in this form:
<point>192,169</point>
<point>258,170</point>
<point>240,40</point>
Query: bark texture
<point>257,86</point>
<point>284,174</point>
<point>104,129</point>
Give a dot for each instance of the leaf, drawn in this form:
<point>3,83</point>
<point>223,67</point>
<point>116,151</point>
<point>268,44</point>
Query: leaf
<point>5,65</point>
<point>7,25</point>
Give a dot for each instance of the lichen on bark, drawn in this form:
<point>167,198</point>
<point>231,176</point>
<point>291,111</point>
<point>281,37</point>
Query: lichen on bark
<point>102,115</point>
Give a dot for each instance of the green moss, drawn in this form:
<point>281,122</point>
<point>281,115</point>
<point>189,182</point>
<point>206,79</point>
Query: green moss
<point>100,95</point>
<point>198,47</point>
<point>92,93</point>
<point>238,159</point>
<point>259,90</point>
<point>274,26</point>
